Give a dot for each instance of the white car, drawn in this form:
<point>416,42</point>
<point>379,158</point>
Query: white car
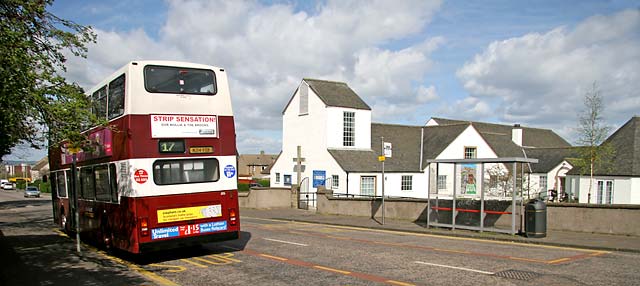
<point>6,185</point>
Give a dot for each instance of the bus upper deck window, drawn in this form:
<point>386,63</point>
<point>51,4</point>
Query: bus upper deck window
<point>161,79</point>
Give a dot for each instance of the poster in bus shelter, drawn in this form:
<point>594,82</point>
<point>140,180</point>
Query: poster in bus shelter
<point>99,146</point>
<point>468,176</point>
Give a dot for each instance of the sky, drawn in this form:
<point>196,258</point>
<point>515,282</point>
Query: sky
<point>525,62</point>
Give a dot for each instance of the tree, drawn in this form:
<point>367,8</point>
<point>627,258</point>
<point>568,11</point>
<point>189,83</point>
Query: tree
<point>37,103</point>
<point>592,133</point>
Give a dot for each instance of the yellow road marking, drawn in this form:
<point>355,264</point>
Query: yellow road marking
<point>528,259</point>
<point>157,278</point>
<point>179,268</point>
<point>558,260</point>
<point>332,269</point>
<point>194,263</point>
<point>221,261</point>
<point>273,257</point>
<point>399,283</point>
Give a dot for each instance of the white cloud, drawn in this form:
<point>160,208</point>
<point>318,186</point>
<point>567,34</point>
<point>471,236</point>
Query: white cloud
<point>541,79</point>
<point>268,49</point>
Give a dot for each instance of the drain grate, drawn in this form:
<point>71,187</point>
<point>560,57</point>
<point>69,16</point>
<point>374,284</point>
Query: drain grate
<point>517,274</point>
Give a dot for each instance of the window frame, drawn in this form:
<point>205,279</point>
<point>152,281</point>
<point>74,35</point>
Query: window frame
<point>475,152</point>
<point>303,101</point>
<point>335,182</point>
<point>111,115</point>
<point>406,183</point>
<point>348,129</point>
<point>157,175</point>
<point>543,186</point>
<point>362,179</point>
<point>146,86</point>
<point>441,183</point>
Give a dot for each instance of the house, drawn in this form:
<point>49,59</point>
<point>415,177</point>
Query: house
<point>40,169</point>
<point>327,132</point>
<point>254,165</point>
<point>620,182</point>
<point>548,177</point>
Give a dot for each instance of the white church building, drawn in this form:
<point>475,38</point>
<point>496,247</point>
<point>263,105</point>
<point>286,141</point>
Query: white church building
<point>339,146</point>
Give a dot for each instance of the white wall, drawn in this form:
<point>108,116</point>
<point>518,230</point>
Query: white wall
<point>312,131</point>
<point>622,189</point>
<point>468,138</point>
<point>334,128</point>
<point>634,196</point>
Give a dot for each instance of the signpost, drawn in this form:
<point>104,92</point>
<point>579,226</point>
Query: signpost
<point>386,153</point>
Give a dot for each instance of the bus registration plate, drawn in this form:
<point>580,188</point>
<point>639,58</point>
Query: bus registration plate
<point>201,150</point>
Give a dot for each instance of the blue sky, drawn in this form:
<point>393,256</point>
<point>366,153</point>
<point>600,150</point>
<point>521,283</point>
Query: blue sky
<point>527,62</point>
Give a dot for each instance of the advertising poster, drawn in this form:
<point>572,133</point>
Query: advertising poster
<point>468,176</point>
<point>184,126</point>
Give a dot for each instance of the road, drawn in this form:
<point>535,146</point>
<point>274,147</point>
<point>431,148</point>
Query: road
<point>272,252</point>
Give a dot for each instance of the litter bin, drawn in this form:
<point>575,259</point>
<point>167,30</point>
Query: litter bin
<point>535,218</point>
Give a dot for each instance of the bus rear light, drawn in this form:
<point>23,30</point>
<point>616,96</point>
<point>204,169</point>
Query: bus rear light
<point>144,226</point>
<point>233,217</point>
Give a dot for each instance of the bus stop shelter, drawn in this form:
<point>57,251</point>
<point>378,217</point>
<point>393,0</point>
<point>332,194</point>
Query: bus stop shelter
<point>478,194</point>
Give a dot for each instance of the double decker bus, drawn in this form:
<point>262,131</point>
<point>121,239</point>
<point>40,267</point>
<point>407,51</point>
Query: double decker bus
<point>163,173</point>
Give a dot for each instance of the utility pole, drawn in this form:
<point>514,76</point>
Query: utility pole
<point>74,183</point>
<point>383,156</point>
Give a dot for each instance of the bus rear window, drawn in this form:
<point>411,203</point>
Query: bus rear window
<point>171,172</point>
<point>161,79</point>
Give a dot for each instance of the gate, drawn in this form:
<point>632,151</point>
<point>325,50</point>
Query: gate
<point>306,198</point>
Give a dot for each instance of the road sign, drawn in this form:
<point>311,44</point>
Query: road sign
<point>387,149</point>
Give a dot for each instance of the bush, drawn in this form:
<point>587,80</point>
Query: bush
<point>265,182</point>
<point>243,187</point>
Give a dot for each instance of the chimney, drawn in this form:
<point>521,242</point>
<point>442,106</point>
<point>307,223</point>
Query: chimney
<point>516,134</point>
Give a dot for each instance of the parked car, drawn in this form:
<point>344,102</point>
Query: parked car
<point>7,186</point>
<point>32,191</point>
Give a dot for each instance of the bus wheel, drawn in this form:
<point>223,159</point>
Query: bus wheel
<point>107,236</point>
<point>63,222</point>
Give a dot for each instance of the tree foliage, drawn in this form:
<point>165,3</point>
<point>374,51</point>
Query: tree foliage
<point>595,154</point>
<point>37,103</point>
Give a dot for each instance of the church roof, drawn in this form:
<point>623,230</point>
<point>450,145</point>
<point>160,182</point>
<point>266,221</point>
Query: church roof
<point>333,93</point>
<point>405,154</point>
<point>338,94</point>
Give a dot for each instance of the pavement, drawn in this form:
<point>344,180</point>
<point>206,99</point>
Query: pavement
<point>586,240</point>
<point>42,256</point>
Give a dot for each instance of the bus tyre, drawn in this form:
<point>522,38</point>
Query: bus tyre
<point>64,224</point>
<point>107,236</point>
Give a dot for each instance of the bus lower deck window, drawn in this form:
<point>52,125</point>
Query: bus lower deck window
<point>169,172</point>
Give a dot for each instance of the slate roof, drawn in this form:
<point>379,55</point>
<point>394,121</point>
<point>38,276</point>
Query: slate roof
<point>626,143</point>
<point>405,155</point>
<point>437,138</point>
<point>531,137</point>
<point>333,93</point>
<point>337,94</point>
<point>549,158</point>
